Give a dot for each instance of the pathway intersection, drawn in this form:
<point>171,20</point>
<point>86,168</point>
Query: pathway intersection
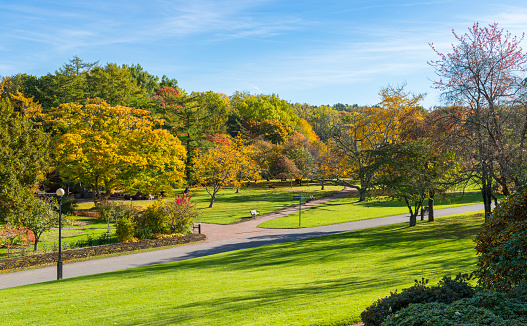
<point>220,238</point>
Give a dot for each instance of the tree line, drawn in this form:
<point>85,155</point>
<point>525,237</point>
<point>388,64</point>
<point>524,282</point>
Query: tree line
<point>117,127</point>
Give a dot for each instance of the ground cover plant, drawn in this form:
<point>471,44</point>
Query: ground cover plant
<point>321,281</point>
<point>349,209</point>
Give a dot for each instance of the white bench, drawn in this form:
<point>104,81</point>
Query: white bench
<point>254,212</point>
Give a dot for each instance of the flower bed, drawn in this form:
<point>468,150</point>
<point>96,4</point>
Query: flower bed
<point>49,258</point>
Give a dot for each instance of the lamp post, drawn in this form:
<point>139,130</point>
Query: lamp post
<point>60,193</point>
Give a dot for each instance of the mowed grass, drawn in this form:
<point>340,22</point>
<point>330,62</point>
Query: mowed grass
<point>349,209</point>
<point>321,281</point>
<point>230,207</point>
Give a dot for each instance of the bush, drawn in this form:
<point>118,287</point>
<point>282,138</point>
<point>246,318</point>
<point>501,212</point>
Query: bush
<point>376,313</point>
<point>167,217</point>
<point>485,308</point>
<point>502,244</point>
<point>125,229</point>
<point>448,290</point>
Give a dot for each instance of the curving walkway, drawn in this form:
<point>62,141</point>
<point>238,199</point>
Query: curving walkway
<point>220,238</point>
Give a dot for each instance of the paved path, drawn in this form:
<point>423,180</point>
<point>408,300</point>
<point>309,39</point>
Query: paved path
<point>220,239</point>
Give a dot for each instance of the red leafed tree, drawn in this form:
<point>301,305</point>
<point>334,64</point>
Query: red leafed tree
<point>484,75</point>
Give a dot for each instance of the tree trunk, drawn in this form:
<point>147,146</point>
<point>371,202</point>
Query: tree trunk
<point>35,244</point>
<point>212,198</point>
<point>322,184</point>
<point>430,209</point>
<point>413,215</point>
<point>362,194</point>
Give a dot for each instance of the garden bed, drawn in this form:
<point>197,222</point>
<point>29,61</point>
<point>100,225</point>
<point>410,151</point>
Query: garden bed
<point>73,254</point>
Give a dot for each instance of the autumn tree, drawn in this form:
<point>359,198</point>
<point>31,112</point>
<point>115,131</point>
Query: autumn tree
<point>287,169</point>
<point>484,74</point>
<point>223,165</point>
<point>360,133</point>
<point>115,147</point>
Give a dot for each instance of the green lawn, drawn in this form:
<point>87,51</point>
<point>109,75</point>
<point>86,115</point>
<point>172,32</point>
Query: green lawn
<point>322,281</point>
<point>349,209</point>
<point>231,207</point>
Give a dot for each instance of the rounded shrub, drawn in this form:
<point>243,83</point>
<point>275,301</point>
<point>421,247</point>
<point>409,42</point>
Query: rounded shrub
<point>448,290</point>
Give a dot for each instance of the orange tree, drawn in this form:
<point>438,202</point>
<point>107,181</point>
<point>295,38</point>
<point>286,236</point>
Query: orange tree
<point>224,165</point>
<point>115,147</point>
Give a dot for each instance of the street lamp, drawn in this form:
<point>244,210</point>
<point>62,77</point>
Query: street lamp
<point>60,193</point>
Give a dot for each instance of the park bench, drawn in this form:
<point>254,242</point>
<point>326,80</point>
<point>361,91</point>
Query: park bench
<point>197,226</point>
<point>254,212</point>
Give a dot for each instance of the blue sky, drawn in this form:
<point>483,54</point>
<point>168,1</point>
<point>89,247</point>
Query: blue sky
<point>316,52</point>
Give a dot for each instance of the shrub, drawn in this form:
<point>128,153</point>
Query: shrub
<point>155,218</point>
<point>448,290</point>
<point>502,244</point>
<point>167,217</point>
<point>485,308</point>
<point>125,229</point>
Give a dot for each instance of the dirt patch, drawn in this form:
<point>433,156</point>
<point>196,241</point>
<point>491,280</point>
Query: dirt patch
<point>72,254</point>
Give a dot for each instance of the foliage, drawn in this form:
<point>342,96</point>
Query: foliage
<point>484,308</point>
<point>182,213</point>
<point>224,165</point>
<point>447,291</point>
<point>111,147</point>
<point>113,212</point>
<point>12,236</point>
<point>186,119</point>
<point>23,158</point>
<point>361,132</point>
<point>412,170</point>
<point>502,243</point>
<point>484,75</point>
<point>275,131</point>
<point>167,217</point>
<point>125,229</point>
<point>69,204</point>
<point>38,216</point>
<point>263,107</point>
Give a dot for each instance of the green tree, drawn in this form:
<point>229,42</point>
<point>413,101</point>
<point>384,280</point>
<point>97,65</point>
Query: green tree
<point>186,119</point>
<point>114,84</point>
<point>38,216</point>
<point>23,158</point>
<point>408,170</point>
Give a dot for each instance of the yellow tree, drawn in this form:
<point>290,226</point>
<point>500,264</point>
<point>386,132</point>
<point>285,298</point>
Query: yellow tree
<point>362,132</point>
<point>224,165</point>
<point>115,147</point>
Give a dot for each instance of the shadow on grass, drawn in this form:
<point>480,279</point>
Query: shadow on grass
<point>328,245</point>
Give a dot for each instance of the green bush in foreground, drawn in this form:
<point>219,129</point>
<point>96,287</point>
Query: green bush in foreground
<point>485,308</point>
<point>448,290</point>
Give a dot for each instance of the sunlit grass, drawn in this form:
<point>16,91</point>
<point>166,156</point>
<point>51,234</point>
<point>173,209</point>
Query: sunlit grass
<point>322,281</point>
<point>349,209</point>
